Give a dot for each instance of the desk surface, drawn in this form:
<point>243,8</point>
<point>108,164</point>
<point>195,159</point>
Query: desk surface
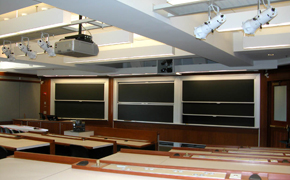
<point>60,140</point>
<point>21,144</point>
<point>125,141</point>
<point>16,169</point>
<point>36,170</point>
<point>165,160</point>
<point>25,128</point>
<point>261,155</point>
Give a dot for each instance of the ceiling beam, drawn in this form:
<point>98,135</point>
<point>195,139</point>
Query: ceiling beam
<point>133,20</point>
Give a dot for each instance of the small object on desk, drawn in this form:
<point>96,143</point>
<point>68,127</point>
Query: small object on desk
<point>285,161</point>
<point>105,138</point>
<point>79,126</point>
<point>126,140</point>
<point>176,154</point>
<point>83,163</point>
<point>98,163</point>
<point>235,176</point>
<point>255,177</point>
<point>186,155</point>
<point>216,150</point>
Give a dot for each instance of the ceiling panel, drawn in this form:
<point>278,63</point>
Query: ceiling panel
<point>199,7</point>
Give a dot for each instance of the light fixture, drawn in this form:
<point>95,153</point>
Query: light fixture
<point>45,45</point>
<point>202,31</point>
<point>23,14</point>
<point>25,48</point>
<point>175,2</point>
<point>7,51</point>
<point>6,19</point>
<point>251,25</point>
<point>44,8</point>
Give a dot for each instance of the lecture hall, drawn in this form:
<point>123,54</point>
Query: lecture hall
<point>147,89</point>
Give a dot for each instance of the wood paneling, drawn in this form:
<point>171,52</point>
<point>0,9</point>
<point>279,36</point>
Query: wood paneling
<point>263,111</point>
<point>198,134</point>
<point>54,127</point>
<point>278,134</point>
<point>45,96</point>
<point>66,126</point>
<point>6,122</point>
<point>33,123</point>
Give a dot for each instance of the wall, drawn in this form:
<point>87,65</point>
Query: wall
<point>172,132</point>
<point>19,97</point>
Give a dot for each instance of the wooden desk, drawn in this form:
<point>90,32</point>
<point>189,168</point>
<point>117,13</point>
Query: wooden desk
<point>16,169</point>
<point>42,166</point>
<point>267,155</point>
<point>89,144</point>
<point>20,144</point>
<point>25,128</point>
<point>129,134</point>
<point>135,143</point>
<point>135,158</point>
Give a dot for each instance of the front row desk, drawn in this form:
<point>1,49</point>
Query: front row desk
<point>142,164</point>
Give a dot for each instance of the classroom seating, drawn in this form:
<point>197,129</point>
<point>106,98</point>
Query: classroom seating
<point>78,151</point>
<point>3,152</point>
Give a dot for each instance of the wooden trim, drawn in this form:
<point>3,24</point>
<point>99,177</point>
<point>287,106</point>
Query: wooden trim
<point>52,142</point>
<point>147,152</point>
<point>245,175</point>
<point>6,122</point>
<point>20,80</point>
<point>114,142</point>
<point>48,158</point>
<point>263,110</point>
<point>45,94</point>
<point>150,136</point>
<point>188,156</point>
<point>111,103</point>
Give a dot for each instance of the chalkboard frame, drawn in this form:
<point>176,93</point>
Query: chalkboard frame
<point>144,102</point>
<point>255,102</point>
<point>178,103</point>
<point>102,81</point>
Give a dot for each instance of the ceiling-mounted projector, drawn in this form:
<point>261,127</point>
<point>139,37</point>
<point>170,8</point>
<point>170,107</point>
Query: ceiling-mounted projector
<point>80,45</point>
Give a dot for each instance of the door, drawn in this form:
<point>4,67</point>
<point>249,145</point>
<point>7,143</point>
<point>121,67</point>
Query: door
<point>280,114</point>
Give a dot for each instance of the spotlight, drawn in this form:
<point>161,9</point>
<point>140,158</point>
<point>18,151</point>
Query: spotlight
<point>25,48</point>
<point>45,45</point>
<point>251,25</point>
<point>7,51</point>
<point>202,31</point>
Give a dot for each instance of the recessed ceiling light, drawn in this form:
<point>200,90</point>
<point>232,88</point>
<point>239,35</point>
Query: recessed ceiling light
<point>5,19</point>
<point>23,14</point>
<point>271,54</point>
<point>44,8</point>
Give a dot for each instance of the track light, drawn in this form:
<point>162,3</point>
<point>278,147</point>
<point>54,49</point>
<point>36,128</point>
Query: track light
<point>251,25</point>
<point>25,48</point>
<point>7,51</point>
<point>202,31</point>
<point>45,45</point>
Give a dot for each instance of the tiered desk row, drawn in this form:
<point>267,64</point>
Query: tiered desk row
<point>210,162</point>
<point>145,164</point>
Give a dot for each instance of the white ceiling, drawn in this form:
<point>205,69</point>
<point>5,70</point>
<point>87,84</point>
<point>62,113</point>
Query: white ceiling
<point>177,32</point>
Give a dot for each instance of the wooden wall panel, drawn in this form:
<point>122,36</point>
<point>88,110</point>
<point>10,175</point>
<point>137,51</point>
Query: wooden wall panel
<point>263,111</point>
<point>278,135</point>
<point>6,122</point>
<point>64,126</point>
<point>54,127</point>
<point>198,134</point>
<point>33,123</point>
<point>45,96</point>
